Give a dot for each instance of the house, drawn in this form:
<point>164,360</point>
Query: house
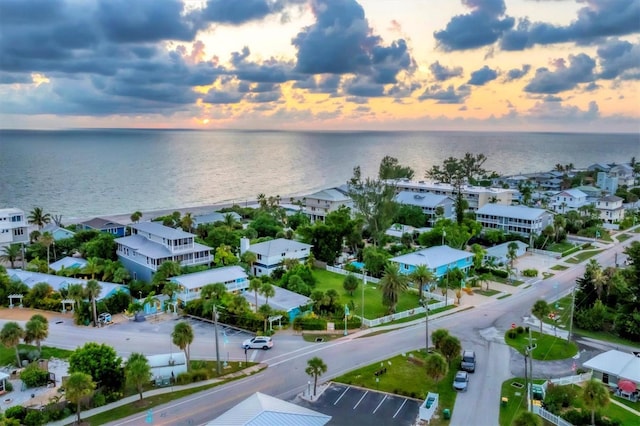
<point>283,300</point>
<point>428,203</point>
<point>233,277</point>
<point>261,409</point>
<point>166,367</point>
<point>514,219</point>
<point>68,262</point>
<point>498,254</point>
<point>610,208</point>
<point>14,228</point>
<point>103,225</point>
<point>438,259</point>
<point>151,243</point>
<point>58,232</point>
<point>592,192</point>
<point>599,167</point>
<point>271,254</point>
<point>211,218</point>
<point>398,230</point>
<point>607,183</point>
<point>569,199</point>
<point>319,204</point>
<point>613,366</point>
<point>623,173</point>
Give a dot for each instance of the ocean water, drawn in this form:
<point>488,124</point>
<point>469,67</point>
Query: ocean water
<point>85,173</point>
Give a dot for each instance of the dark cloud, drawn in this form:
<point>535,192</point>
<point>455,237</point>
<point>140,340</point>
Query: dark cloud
<point>388,61</point>
<point>599,18</point>
<point>264,97</point>
<point>327,83</point>
<point>482,27</point>
<point>450,95</point>
<point>237,12</point>
<point>364,88</point>
<point>219,97</point>
<point>12,78</point>
<point>517,73</point>
<point>482,76</point>
<point>442,73</point>
<point>580,70</point>
<point>270,71</point>
<point>553,111</point>
<point>619,58</point>
<point>357,100</point>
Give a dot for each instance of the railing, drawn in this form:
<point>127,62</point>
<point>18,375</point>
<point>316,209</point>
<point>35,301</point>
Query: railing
<point>552,418</point>
<point>554,254</point>
<point>356,274</point>
<point>411,312</point>
<point>569,380</point>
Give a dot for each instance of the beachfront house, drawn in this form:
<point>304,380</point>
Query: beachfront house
<point>190,285</point>
<point>569,199</point>
<point>319,204</point>
<point>103,225</point>
<point>439,259</point>
<point>213,217</point>
<point>271,254</point>
<point>58,232</point>
<point>428,203</point>
<point>623,173</point>
<point>520,220</point>
<point>151,243</point>
<point>610,208</point>
<point>607,183</point>
<point>14,228</point>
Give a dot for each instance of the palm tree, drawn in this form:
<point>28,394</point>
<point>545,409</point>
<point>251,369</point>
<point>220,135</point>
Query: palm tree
<point>255,285</point>
<point>267,291</point>
<point>170,289</point>
<point>436,367</point>
<point>392,283</point>
<point>594,395</point>
<point>92,267</point>
<point>39,217</point>
<point>229,221</point>
<point>75,292</point>
<point>37,329</point>
<point>512,252</point>
<point>187,222</point>
<point>10,253</point>
<point>315,368</point>
<point>422,276</point>
<point>10,336</point>
<point>92,291</point>
<point>598,277</point>
<point>290,263</point>
<point>182,337</point>
<point>249,258</point>
<point>46,239</point>
<point>136,216</point>
<point>262,200</point>
<point>540,309</point>
<point>137,371</point>
<point>78,387</point>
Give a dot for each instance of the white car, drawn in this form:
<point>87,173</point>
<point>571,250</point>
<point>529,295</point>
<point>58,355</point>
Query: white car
<point>258,342</point>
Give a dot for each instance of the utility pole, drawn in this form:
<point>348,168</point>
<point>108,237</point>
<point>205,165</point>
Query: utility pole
<point>526,378</point>
<point>364,283</point>
<point>426,322</point>
<point>573,303</point>
<point>215,331</point>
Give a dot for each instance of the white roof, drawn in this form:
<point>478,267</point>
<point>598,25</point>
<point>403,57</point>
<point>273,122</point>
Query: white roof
<point>622,364</point>
<point>432,257</point>
<point>156,228</point>
<point>211,276</point>
<point>330,194</point>
<point>278,246</point>
<point>264,410</point>
<point>573,192</point>
<point>57,282</point>
<point>10,210</point>
<point>516,212</point>
<point>152,249</point>
<point>68,263</point>
<point>421,199</point>
<point>284,299</point>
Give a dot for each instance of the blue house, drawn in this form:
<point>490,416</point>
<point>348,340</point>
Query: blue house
<point>103,225</point>
<point>438,259</point>
<point>57,232</point>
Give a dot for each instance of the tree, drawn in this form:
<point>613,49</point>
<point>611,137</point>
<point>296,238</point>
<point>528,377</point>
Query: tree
<point>598,278</point>
<point>421,276</point>
<point>595,396</point>
<point>136,216</point>
<point>450,347</point>
<point>10,253</point>
<point>255,285</point>
<point>10,336</point>
<point>350,283</point>
<point>92,290</point>
<point>182,337</point>
<point>46,239</point>
<point>438,336</point>
<point>78,387</point>
<point>186,223</point>
<point>36,330</point>
<point>527,418</point>
<point>170,288</point>
<point>315,368</point>
<point>39,217</point>
<point>249,258</point>
<point>512,252</point>
<point>267,291</point>
<point>391,169</point>
<point>540,309</point>
<point>436,367</point>
<point>392,283</point>
<point>137,371</point>
<point>100,362</point>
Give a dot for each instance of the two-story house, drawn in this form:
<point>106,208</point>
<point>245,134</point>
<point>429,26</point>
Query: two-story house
<point>14,228</point>
<point>569,199</point>
<point>438,259</point>
<point>103,225</point>
<point>319,204</point>
<point>514,219</point>
<point>271,254</point>
<point>151,243</point>
<point>190,285</point>
<point>610,208</point>
<point>623,173</point>
<point>428,203</point>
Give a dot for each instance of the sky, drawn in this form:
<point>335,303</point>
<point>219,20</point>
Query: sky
<point>469,65</point>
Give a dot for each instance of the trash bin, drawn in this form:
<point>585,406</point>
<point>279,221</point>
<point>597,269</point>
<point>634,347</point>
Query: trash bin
<point>446,414</point>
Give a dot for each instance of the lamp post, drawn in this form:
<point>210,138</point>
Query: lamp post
<point>364,283</point>
<point>426,322</point>
<point>346,314</point>
<point>215,331</point>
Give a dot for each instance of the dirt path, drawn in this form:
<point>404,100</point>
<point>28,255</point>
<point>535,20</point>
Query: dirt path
<point>24,314</point>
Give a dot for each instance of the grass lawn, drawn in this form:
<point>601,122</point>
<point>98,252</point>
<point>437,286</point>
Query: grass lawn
<point>8,355</point>
<point>516,400</point>
<point>373,307</point>
<point>583,256</point>
<point>559,267</point>
<point>560,247</point>
<point>546,275</point>
<point>623,237</point>
<point>408,378</point>
<point>612,411</point>
<point>489,292</point>
<point>547,348</point>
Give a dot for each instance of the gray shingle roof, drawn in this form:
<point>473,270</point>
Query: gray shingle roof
<point>612,198</point>
<point>516,212</point>
<point>100,223</point>
<point>424,199</point>
<point>278,246</point>
<point>432,257</point>
<point>154,250</point>
<point>330,194</point>
<point>160,230</point>
<point>210,276</point>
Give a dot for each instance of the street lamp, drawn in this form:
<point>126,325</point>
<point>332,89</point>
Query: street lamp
<point>364,283</point>
<point>346,314</point>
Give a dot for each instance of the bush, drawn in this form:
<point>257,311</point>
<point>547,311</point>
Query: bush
<point>310,323</point>
<point>512,334</point>
<point>558,397</point>
<point>17,412</point>
<point>500,273</point>
<point>183,378</point>
<point>520,329</point>
<point>531,273</point>
<point>33,376</point>
<point>35,418</point>
<point>199,375</point>
<point>99,399</point>
<point>8,386</point>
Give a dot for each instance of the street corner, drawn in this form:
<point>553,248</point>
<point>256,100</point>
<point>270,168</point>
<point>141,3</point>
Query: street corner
<point>311,395</point>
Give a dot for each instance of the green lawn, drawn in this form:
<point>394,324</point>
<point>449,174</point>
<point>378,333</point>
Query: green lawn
<point>373,307</point>
<point>547,275</point>
<point>407,378</point>
<point>489,292</point>
<point>612,411</point>
<point>516,400</point>
<point>547,348</point>
<point>8,355</point>
<point>559,267</point>
<point>560,247</point>
<point>623,237</point>
<point>583,256</point>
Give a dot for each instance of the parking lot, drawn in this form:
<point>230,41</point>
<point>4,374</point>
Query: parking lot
<point>353,406</point>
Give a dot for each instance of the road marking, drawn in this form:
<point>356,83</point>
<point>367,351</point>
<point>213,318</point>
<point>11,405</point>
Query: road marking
<point>374,411</point>
<point>254,353</point>
<point>358,403</point>
<point>340,397</point>
<point>394,416</point>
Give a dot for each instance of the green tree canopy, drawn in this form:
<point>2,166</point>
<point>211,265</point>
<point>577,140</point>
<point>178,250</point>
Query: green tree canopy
<point>315,368</point>
<point>36,330</point>
<point>99,361</point>
<point>78,388</point>
<point>350,283</point>
<point>10,337</point>
<point>595,396</point>
<point>182,337</point>
<point>541,309</point>
<point>391,169</point>
<point>137,371</point>
<point>392,283</point>
<point>436,367</point>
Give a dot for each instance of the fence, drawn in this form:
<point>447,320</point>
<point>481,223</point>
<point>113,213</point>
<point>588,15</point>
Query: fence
<point>569,380</point>
<point>552,418</point>
<point>345,272</point>
<point>553,254</point>
<point>420,310</point>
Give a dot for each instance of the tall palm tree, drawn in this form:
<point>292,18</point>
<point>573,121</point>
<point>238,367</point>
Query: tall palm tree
<point>512,252</point>
<point>78,387</point>
<point>594,395</point>
<point>392,283</point>
<point>92,290</point>
<point>229,221</point>
<point>75,292</point>
<point>267,291</point>
<point>10,253</point>
<point>10,337</point>
<point>255,285</point>
<point>422,276</point>
<point>92,267</point>
<point>36,330</point>
<point>249,258</point>
<point>436,367</point>
<point>187,222</point>
<point>46,239</point>
<point>598,277</point>
<point>136,216</point>
<point>315,368</point>
<point>182,337</point>
<point>137,371</point>
<point>39,217</point>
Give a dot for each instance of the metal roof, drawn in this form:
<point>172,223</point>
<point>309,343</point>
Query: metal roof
<point>277,247</point>
<point>516,212</point>
<point>100,223</point>
<point>421,199</point>
<point>433,257</point>
<point>622,364</point>
<point>284,299</point>
<point>210,276</point>
<point>160,230</point>
<point>153,250</point>
<point>330,194</point>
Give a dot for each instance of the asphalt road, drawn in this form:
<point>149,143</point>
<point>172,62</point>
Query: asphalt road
<point>479,329</point>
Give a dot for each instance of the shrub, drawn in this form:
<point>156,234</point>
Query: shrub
<point>99,399</point>
<point>512,334</point>
<point>17,412</point>
<point>530,273</point>
<point>183,378</point>
<point>520,329</point>
<point>199,375</point>
<point>500,273</point>
<point>8,386</point>
<point>35,418</point>
<point>310,323</point>
<point>33,376</point>
<point>558,397</point>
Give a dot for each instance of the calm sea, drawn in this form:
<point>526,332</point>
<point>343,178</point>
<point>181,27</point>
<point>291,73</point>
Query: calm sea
<point>85,173</point>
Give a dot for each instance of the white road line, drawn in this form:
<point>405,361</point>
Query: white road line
<point>254,353</point>
<point>385,397</point>
<point>356,406</point>
<point>394,416</point>
<point>340,397</point>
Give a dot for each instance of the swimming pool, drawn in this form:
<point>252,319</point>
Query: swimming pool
<point>359,265</point>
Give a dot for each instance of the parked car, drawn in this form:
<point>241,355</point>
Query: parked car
<point>468,362</point>
<point>258,342</point>
<point>461,381</point>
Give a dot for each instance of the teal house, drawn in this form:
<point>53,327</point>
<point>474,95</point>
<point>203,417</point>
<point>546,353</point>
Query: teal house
<point>438,259</point>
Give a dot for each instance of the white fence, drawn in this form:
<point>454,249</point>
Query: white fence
<point>569,380</point>
<point>411,312</point>
<point>553,254</point>
<point>345,272</point>
<point>552,418</point>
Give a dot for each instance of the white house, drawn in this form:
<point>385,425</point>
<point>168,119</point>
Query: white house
<point>499,253</point>
<point>569,199</point>
<point>319,204</point>
<point>623,173</point>
<point>233,277</point>
<point>610,208</point>
<point>14,227</point>
<point>613,366</point>
<point>428,203</point>
<point>514,219</point>
<point>271,254</point>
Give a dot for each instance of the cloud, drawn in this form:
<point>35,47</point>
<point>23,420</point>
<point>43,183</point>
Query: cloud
<point>446,96</point>
<point>517,73</point>
<point>482,76</point>
<point>326,83</point>
<point>482,27</point>
<point>598,19</point>
<point>364,88</point>
<point>442,73</point>
<point>221,97</point>
<point>238,12</point>
<point>554,111</point>
<point>580,70</point>
<point>619,58</point>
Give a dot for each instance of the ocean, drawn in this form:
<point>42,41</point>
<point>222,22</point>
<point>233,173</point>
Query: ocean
<point>87,173</point>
